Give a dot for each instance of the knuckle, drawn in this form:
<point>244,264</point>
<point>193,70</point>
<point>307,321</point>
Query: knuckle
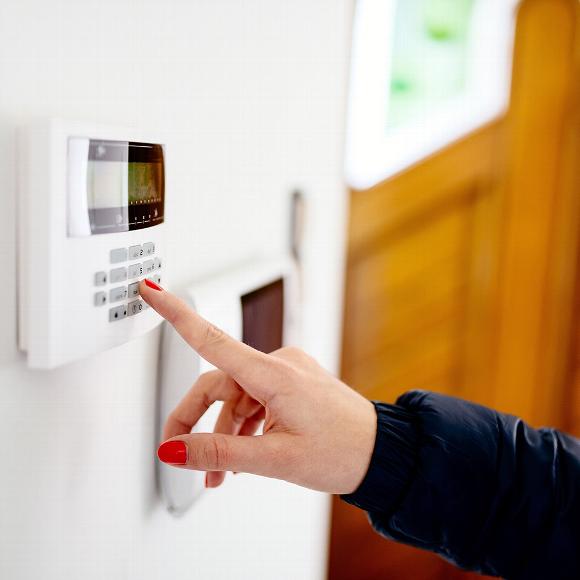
<point>246,408</point>
<point>217,453</point>
<point>290,352</point>
<point>177,417</point>
<point>288,372</point>
<point>213,454</point>
<point>206,400</point>
<point>294,354</point>
<point>238,416</point>
<point>208,378</point>
<point>210,336</point>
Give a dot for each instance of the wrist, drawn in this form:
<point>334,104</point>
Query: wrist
<point>365,444</point>
<point>392,460</point>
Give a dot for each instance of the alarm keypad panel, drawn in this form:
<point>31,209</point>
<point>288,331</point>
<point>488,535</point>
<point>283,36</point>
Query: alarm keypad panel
<point>91,226</point>
<point>130,272</point>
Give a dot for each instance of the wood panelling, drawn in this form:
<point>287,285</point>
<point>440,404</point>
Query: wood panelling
<point>391,302</point>
<point>407,197</point>
<point>408,314</point>
<point>462,269</point>
<point>540,215</point>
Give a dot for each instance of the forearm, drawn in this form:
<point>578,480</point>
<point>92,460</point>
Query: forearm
<point>480,488</point>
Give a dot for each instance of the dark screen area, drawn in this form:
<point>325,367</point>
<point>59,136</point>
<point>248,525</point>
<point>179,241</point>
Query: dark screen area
<point>263,317</point>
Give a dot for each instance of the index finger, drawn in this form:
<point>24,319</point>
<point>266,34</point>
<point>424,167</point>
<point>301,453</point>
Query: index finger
<point>251,368</point>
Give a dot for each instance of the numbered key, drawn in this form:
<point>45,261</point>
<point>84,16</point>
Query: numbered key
<point>135,252</point>
<point>117,313</point>
<point>135,307</point>
<point>134,290</point>
<point>148,266</point>
<point>118,294</point>
<point>135,270</point>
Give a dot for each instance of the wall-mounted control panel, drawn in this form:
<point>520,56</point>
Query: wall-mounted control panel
<point>91,226</point>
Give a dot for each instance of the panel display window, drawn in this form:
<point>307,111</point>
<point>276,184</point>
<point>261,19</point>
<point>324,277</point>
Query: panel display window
<point>125,186</point>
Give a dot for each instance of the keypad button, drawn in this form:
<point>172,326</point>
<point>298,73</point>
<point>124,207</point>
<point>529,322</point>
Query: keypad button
<point>156,264</point>
<point>135,307</point>
<point>117,313</point>
<point>134,290</point>
<point>148,249</point>
<point>118,255</point>
<point>118,275</point>
<point>100,298</point>
<point>148,266</point>
<point>117,294</point>
<point>135,270</point>
<point>135,252</point>
<point>100,278</point>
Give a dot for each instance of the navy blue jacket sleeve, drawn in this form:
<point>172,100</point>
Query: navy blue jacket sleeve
<point>482,489</point>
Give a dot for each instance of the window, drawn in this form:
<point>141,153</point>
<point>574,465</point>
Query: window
<point>423,74</point>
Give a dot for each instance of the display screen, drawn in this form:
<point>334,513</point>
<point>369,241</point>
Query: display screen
<point>125,186</point>
<point>263,317</point>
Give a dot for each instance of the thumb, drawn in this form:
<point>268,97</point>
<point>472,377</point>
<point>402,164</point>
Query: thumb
<point>260,455</point>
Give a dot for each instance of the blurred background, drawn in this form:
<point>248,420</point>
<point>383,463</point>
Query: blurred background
<point>435,145</point>
<point>463,251</point>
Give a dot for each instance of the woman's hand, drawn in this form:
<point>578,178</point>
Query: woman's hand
<point>318,432</point>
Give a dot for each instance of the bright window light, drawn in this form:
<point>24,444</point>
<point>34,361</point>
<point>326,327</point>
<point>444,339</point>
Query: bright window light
<point>423,74</point>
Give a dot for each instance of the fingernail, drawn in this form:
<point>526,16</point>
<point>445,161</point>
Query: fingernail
<point>206,483</point>
<point>152,284</point>
<point>174,452</point>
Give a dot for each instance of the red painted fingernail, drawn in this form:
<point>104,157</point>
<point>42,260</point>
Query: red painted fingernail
<point>206,485</point>
<point>152,284</point>
<point>174,452</point>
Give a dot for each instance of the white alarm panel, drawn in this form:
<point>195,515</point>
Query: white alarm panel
<point>91,213</point>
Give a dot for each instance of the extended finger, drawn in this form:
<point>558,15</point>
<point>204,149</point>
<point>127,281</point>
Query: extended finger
<point>245,364</point>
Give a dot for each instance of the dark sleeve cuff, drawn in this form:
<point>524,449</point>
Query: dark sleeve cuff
<point>393,462</point>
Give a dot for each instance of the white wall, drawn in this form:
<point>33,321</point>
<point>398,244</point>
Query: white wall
<point>251,94</point>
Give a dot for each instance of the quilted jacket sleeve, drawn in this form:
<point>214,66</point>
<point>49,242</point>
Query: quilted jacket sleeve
<point>480,488</point>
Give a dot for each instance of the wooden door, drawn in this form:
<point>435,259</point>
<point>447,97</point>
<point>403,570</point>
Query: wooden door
<point>574,370</point>
<point>461,271</point>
